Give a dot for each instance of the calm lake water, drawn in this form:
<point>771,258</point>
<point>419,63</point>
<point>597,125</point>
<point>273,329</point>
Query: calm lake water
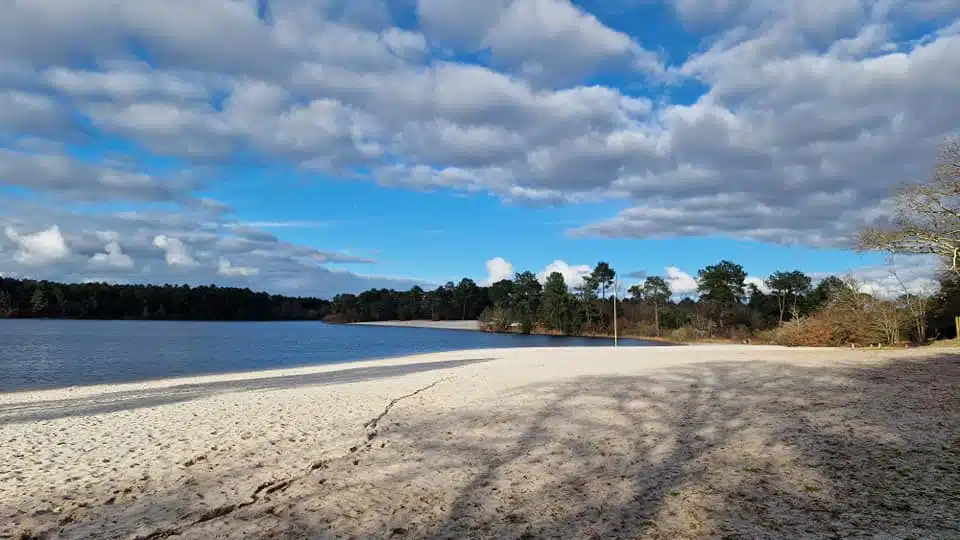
<point>57,353</point>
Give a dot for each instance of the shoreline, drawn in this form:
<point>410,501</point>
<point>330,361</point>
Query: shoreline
<point>652,442</point>
<point>475,326</point>
<point>469,325</point>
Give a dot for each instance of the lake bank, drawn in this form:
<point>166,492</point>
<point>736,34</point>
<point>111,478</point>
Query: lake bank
<point>476,326</point>
<point>658,442</point>
<point>437,325</point>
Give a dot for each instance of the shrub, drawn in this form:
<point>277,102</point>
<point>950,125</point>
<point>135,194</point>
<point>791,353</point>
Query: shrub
<point>644,329</point>
<point>495,319</point>
<point>684,333</point>
<point>816,331</point>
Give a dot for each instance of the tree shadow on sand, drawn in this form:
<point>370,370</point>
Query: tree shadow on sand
<point>710,450</point>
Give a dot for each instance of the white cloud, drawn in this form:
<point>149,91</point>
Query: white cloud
<point>176,252</point>
<point>113,256</point>
<point>913,273</point>
<point>759,282</point>
<point>498,269</point>
<point>572,275</point>
<point>527,35</point>
<point>680,282</point>
<point>43,247</point>
<point>801,103</point>
<point>226,268</point>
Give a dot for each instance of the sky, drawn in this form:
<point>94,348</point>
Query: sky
<point>314,147</point>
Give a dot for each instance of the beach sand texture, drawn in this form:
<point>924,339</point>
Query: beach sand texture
<point>684,442</point>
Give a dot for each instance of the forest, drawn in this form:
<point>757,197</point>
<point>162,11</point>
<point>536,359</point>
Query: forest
<point>28,298</point>
<point>794,310</point>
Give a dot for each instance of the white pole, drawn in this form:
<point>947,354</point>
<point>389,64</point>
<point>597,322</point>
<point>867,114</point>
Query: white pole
<point>616,285</point>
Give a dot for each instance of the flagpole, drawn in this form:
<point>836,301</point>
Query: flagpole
<point>616,285</point>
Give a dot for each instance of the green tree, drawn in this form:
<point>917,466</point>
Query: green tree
<point>6,305</point>
<point>553,302</point>
<point>59,302</point>
<point>501,293</point>
<point>466,293</point>
<point>38,301</point>
<point>586,293</point>
<point>657,292</point>
<point>789,288</point>
<point>826,290</point>
<point>526,300</point>
<point>603,276</point>
<point>721,287</point>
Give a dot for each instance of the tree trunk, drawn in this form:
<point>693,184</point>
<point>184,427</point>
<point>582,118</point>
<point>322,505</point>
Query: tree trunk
<point>656,316</point>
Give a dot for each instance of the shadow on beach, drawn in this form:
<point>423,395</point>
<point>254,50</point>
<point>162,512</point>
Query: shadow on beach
<point>747,449</point>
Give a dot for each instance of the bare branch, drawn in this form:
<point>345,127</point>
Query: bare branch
<point>928,215</point>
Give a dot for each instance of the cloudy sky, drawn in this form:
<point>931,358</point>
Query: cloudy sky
<point>320,146</point>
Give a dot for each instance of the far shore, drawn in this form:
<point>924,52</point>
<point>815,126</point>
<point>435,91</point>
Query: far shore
<point>422,323</point>
<point>474,325</point>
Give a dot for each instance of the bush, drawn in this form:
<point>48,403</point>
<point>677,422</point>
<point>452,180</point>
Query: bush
<point>644,329</point>
<point>816,331</point>
<point>685,333</point>
<point>495,320</point>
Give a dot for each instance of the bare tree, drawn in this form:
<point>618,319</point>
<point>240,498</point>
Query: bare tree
<point>917,305</point>
<point>858,317</point>
<point>928,215</point>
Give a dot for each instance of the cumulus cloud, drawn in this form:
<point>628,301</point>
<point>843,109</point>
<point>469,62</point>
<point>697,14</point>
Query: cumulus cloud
<point>680,282</point>
<point>572,275</point>
<point>784,109</point>
<point>915,274</point>
<point>527,34</point>
<point>122,247</point>
<point>498,269</point>
<point>759,282</point>
<point>112,257</point>
<point>176,252</point>
<point>42,247</point>
<point>226,268</point>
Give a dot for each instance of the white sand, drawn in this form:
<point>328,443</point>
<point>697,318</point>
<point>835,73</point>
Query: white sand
<point>685,442</point>
<point>439,325</point>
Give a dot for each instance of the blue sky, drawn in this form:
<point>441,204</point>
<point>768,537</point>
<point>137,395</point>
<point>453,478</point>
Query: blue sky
<point>317,147</point>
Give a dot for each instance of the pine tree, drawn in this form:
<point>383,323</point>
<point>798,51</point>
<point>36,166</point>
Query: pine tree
<point>38,302</point>
<point>6,304</point>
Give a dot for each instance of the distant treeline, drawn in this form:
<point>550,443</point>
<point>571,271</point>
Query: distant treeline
<point>28,298</point>
<point>726,303</point>
<point>789,308</point>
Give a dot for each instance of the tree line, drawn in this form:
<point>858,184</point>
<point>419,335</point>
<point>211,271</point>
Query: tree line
<point>24,298</point>
<point>784,310</point>
<point>789,309</point>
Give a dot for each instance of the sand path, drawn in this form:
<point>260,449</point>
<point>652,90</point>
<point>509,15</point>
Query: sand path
<point>685,442</point>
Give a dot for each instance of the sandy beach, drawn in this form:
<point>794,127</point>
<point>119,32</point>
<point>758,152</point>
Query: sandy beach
<point>688,442</point>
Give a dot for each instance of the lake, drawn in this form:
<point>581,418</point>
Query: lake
<point>37,354</point>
